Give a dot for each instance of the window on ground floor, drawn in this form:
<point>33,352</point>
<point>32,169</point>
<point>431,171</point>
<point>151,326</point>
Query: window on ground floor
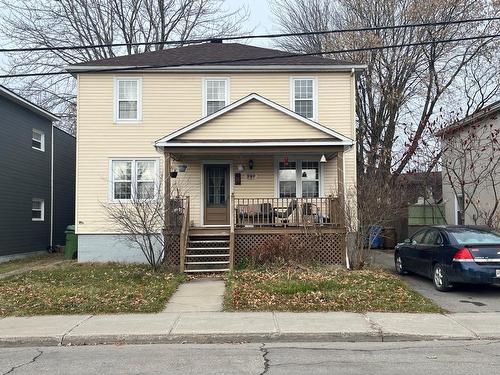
<point>459,204</point>
<point>133,179</point>
<point>37,209</point>
<point>299,178</point>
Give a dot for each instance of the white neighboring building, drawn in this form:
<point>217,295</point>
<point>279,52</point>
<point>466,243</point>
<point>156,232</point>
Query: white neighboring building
<point>479,198</point>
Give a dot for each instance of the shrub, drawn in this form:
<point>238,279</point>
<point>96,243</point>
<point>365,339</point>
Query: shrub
<point>282,250</point>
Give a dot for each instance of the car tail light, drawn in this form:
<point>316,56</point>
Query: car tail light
<point>463,255</point>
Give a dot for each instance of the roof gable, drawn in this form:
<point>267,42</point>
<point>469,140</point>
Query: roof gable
<point>270,122</point>
<point>11,95</point>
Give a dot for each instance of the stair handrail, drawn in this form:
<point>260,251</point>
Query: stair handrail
<point>184,235</point>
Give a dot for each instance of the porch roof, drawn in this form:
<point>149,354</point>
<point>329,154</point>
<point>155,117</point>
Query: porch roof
<point>228,127</point>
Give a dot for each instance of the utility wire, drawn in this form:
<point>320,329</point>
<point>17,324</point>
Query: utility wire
<point>259,36</point>
<point>219,62</point>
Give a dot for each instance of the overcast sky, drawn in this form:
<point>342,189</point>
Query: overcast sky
<point>260,18</point>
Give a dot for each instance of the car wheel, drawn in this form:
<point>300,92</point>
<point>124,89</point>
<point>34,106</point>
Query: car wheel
<point>398,263</point>
<point>440,279</point>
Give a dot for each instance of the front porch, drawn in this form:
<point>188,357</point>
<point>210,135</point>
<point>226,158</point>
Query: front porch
<point>255,171</point>
<point>251,221</point>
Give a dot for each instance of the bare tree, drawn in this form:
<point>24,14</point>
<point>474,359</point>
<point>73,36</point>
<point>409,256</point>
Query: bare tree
<point>53,23</point>
<point>471,166</point>
<point>366,206</point>
<point>402,88</point>
<point>150,222</point>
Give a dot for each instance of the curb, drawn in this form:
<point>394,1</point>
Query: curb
<point>145,339</point>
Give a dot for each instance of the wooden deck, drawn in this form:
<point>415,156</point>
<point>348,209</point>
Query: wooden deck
<point>254,220</point>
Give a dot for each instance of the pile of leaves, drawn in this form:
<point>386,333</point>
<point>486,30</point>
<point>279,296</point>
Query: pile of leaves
<point>87,289</point>
<point>322,289</point>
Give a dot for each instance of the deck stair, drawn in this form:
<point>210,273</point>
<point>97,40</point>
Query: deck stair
<point>207,251</point>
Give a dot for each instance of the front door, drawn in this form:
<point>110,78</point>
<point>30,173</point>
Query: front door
<point>216,196</point>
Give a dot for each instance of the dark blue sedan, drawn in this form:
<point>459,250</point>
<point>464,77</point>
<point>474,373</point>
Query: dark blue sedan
<point>451,254</point>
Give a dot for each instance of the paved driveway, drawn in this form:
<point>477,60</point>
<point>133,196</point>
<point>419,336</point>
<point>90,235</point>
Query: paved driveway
<point>463,298</point>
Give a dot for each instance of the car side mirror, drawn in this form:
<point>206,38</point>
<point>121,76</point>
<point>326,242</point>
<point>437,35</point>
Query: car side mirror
<point>408,241</point>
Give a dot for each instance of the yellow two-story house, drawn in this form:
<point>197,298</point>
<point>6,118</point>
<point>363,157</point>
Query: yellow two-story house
<point>259,142</point>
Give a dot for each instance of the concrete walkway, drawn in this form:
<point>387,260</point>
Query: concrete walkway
<point>213,327</point>
<point>199,295</point>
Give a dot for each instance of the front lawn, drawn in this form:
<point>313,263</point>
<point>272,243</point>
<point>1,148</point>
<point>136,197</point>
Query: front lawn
<point>39,260</point>
<point>76,288</point>
<point>322,289</point>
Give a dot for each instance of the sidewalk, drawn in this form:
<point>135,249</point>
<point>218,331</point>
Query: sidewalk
<point>216,327</point>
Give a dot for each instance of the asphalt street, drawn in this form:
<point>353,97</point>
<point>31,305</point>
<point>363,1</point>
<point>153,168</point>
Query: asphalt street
<point>463,298</point>
<point>409,358</point>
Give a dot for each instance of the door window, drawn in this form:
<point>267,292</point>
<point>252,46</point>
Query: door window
<point>433,237</point>
<point>418,238</point>
<point>216,177</point>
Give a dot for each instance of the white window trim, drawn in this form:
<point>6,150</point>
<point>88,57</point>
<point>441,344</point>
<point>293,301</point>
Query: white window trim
<point>315,94</point>
<point>299,160</point>
<point>457,207</point>
<point>204,93</point>
<point>116,119</point>
<point>111,190</point>
<point>42,216</point>
<point>42,142</point>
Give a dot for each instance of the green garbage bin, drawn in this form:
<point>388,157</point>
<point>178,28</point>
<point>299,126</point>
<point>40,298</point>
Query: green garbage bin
<point>71,248</point>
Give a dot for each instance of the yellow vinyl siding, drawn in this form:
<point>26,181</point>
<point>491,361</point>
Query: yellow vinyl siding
<point>171,101</point>
<point>266,123</point>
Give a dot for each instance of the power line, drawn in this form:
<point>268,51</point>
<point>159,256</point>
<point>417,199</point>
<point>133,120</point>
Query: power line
<point>362,49</point>
<point>259,36</point>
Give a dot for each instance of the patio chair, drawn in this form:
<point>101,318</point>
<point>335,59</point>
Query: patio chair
<point>256,214</point>
<point>284,215</point>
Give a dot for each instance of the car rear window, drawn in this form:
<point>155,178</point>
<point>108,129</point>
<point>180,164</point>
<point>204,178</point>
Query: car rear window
<point>475,236</point>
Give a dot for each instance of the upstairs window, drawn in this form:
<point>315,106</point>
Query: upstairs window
<point>303,97</point>
<point>216,94</point>
<point>38,140</point>
<point>133,179</point>
<point>37,209</point>
<point>127,99</point>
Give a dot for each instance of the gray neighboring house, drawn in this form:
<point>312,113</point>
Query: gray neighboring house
<point>37,177</point>
<point>484,193</point>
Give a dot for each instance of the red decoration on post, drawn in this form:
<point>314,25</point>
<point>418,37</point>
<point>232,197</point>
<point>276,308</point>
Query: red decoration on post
<point>285,161</point>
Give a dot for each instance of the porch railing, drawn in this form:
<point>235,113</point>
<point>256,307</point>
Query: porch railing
<point>287,212</point>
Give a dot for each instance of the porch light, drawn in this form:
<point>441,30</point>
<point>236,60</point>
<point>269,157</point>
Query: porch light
<point>250,164</point>
<point>323,159</point>
<point>241,168</point>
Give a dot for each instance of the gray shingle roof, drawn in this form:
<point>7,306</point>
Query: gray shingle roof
<point>227,54</point>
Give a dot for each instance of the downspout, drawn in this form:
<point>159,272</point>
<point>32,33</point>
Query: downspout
<point>52,188</point>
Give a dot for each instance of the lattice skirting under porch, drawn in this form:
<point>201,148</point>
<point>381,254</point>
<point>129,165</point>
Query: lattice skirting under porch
<point>328,248</point>
<point>172,251</point>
